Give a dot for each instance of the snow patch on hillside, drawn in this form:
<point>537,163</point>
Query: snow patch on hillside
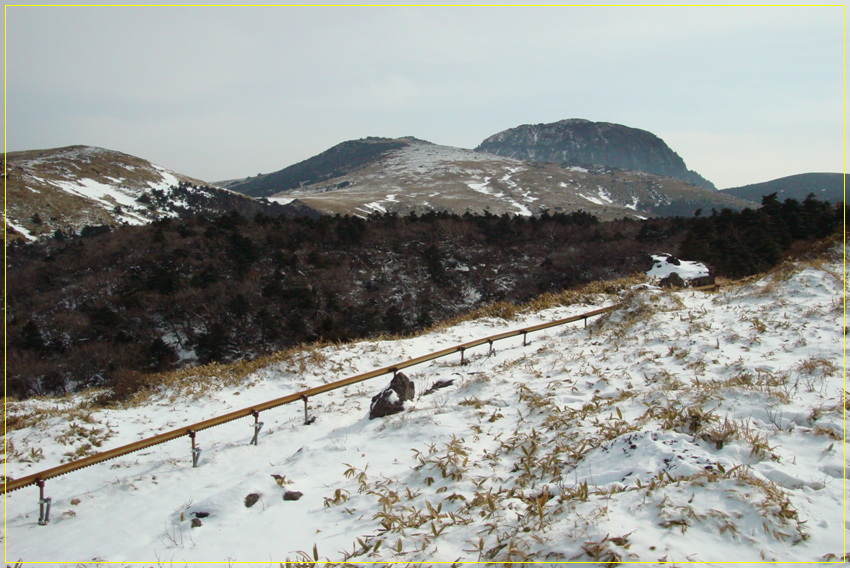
<point>591,199</point>
<point>168,179</point>
<point>430,156</point>
<point>521,209</point>
<point>22,230</point>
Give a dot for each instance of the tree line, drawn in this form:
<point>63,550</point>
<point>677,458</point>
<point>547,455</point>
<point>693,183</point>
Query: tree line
<point>85,310</point>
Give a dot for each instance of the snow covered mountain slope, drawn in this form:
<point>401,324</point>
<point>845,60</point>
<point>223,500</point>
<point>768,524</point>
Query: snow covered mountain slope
<point>686,426</point>
<point>69,188</point>
<point>80,185</point>
<point>414,175</point>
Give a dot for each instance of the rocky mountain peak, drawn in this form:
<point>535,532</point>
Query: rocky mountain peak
<point>577,141</point>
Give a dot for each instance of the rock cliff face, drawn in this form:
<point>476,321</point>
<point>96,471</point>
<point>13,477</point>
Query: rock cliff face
<point>581,142</point>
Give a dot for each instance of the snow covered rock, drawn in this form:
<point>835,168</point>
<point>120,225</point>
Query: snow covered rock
<point>688,273</point>
<point>391,399</point>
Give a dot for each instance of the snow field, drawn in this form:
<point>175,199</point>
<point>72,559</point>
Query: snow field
<point>687,426</point>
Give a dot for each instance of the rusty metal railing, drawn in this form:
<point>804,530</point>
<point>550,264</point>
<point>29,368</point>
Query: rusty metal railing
<point>39,478</point>
<point>190,430</point>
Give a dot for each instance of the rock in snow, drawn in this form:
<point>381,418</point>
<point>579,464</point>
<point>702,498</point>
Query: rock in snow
<point>251,499</point>
<point>672,280</point>
<point>391,399</point>
<point>292,496</point>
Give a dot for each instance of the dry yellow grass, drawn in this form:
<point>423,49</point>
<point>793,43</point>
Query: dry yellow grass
<point>587,294</point>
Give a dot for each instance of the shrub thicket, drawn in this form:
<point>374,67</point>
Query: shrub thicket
<point>101,309</point>
<point>741,243</point>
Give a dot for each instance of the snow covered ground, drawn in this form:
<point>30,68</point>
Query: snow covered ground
<point>684,427</point>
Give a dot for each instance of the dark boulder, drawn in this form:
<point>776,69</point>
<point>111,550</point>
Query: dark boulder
<point>292,496</point>
<point>441,384</point>
<point>703,281</point>
<point>391,400</point>
<point>673,280</point>
<point>251,499</point>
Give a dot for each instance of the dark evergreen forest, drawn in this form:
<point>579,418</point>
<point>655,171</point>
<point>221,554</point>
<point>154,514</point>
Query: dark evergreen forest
<point>84,310</point>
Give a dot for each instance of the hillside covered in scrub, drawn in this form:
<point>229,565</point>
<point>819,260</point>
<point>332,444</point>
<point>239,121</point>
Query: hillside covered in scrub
<point>110,307</point>
<point>685,426</point>
<point>72,189</point>
<point>824,186</point>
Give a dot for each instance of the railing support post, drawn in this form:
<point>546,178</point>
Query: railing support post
<point>491,351</point>
<point>462,361</point>
<point>196,450</point>
<point>43,505</point>
<point>524,339</point>
<point>307,419</point>
<point>257,426</point>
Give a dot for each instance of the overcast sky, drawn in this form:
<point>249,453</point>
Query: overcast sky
<point>742,94</point>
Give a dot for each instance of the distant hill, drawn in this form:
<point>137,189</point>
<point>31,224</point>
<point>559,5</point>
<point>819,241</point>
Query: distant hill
<point>332,163</point>
<point>825,186</point>
<point>404,175</point>
<point>581,142</point>
<point>69,188</point>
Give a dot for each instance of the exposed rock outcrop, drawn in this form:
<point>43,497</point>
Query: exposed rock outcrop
<point>577,141</point>
<point>391,400</point>
<point>672,281</point>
